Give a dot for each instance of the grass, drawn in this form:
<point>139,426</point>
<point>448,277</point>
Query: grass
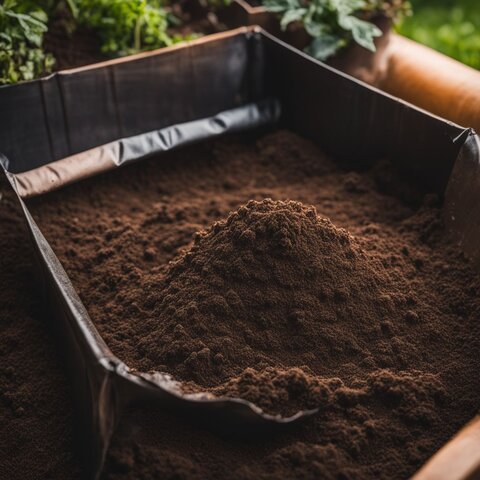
<point>449,26</point>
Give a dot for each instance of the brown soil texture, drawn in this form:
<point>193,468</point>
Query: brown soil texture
<point>256,267</point>
<point>36,420</point>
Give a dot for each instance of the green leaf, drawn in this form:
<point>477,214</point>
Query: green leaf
<point>363,32</point>
<point>27,22</point>
<point>292,16</point>
<point>324,47</point>
<point>315,29</point>
<point>40,15</point>
<point>6,37</point>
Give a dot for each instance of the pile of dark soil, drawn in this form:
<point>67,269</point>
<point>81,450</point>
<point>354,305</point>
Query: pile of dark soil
<point>276,285</point>
<point>324,288</point>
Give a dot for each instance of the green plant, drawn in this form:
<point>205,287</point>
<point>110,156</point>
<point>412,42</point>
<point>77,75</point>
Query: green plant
<point>22,27</point>
<point>125,26</point>
<point>334,24</point>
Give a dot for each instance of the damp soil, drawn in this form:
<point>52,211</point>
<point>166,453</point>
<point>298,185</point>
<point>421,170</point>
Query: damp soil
<point>258,268</point>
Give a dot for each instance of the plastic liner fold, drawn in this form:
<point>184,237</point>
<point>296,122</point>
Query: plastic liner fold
<point>82,165</point>
<point>121,111</point>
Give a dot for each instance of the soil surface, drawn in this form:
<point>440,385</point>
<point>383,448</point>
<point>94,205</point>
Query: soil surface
<point>36,409</point>
<point>256,267</point>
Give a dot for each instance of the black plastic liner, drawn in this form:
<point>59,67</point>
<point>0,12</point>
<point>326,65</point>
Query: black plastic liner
<point>130,149</point>
<point>186,90</point>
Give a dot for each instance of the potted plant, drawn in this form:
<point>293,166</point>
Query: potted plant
<point>324,29</point>
<point>355,36</point>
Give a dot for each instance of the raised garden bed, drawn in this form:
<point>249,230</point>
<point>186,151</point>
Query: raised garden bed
<point>362,127</point>
<point>117,252</point>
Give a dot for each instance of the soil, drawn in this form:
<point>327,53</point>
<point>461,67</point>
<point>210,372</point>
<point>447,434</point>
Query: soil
<point>256,267</point>
<point>36,411</point>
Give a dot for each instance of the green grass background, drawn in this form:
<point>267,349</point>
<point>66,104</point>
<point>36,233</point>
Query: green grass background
<point>449,26</point>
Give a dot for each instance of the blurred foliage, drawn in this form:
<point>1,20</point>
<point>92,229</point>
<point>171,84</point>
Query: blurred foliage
<point>449,26</point>
<point>335,24</point>
<point>125,26</point>
<point>130,26</point>
<point>122,26</point>
<point>22,26</point>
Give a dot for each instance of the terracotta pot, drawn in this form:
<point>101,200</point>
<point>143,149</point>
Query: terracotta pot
<point>432,81</point>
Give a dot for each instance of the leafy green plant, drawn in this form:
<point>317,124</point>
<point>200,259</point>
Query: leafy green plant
<point>125,26</point>
<point>122,26</point>
<point>21,35</point>
<point>334,24</point>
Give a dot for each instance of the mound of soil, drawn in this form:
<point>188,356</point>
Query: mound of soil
<point>265,286</point>
<point>272,285</point>
<point>333,288</point>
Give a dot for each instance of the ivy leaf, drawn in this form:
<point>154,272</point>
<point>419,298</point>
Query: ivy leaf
<point>324,47</point>
<point>292,16</point>
<point>315,29</point>
<point>363,32</point>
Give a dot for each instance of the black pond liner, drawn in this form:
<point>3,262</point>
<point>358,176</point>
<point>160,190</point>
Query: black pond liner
<point>78,123</point>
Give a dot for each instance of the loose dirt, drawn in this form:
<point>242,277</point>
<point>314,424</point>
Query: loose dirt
<point>255,267</point>
<point>36,408</point>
